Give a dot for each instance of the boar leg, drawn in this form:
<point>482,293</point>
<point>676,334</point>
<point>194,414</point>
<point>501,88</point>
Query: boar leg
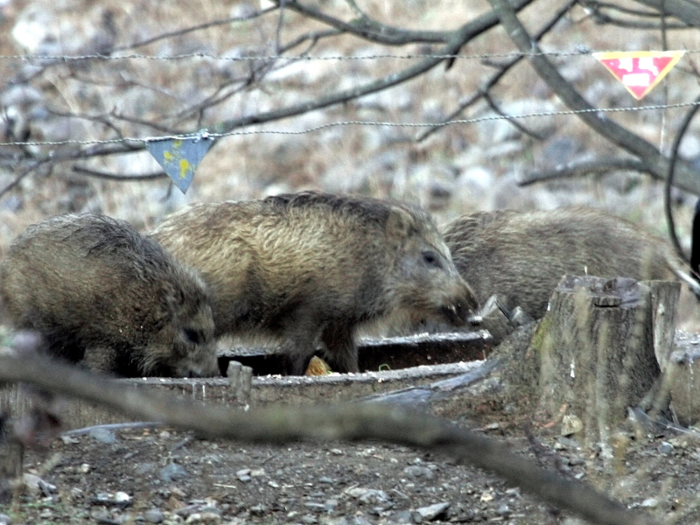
<point>340,347</point>
<point>298,345</point>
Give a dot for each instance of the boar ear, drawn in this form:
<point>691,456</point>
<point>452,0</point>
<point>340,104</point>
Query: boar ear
<point>400,225</point>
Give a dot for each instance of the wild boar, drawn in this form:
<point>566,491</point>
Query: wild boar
<point>309,268</point>
<point>105,295</point>
<point>523,255</point>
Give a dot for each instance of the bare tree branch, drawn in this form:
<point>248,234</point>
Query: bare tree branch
<point>370,29</point>
<point>120,178</point>
<point>647,152</point>
<point>503,69</point>
<point>353,422</point>
<point>192,29</point>
<point>455,41</point>
<point>685,12</point>
<point>517,125</point>
<point>577,169</point>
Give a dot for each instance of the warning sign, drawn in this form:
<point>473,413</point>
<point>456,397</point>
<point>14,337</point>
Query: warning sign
<point>179,157</point>
<point>639,71</point>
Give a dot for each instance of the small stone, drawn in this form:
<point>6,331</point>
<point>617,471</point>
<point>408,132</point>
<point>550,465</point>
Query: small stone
<point>665,448</point>
<point>121,498</point>
<point>256,473</point>
<point>273,484</point>
<point>566,443</point>
<point>330,504</point>
<point>203,517</point>
<point>337,452</point>
<point>309,519</point>
<point>403,517</point>
<point>100,514</point>
<point>172,472</point>
<point>514,492</point>
<point>650,503</point>
<point>571,425</point>
<point>153,516</point>
<point>84,468</point>
<point>433,512</point>
<point>69,440</point>
<point>5,519</point>
<point>324,479</point>
<point>243,475</point>
<point>35,485</point>
<point>486,496</point>
<point>145,468</point>
<point>102,435</point>
<point>415,471</point>
<point>503,510</point>
<point>369,496</point>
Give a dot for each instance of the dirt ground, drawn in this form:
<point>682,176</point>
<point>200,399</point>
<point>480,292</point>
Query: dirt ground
<point>158,475</point>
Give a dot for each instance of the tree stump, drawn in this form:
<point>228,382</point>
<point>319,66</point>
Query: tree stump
<point>598,347</point>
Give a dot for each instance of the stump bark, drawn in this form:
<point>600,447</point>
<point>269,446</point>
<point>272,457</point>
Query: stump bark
<point>598,347</point>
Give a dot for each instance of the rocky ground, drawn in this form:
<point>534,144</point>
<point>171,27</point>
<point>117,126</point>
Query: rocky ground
<point>158,475</point>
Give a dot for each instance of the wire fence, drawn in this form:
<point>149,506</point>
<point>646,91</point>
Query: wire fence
<point>206,134</point>
<point>580,51</point>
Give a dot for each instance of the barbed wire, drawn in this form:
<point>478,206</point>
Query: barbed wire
<point>205,134</point>
<point>582,51</point>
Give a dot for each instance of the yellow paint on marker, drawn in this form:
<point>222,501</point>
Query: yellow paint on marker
<point>167,156</point>
<point>184,168</point>
<point>639,71</point>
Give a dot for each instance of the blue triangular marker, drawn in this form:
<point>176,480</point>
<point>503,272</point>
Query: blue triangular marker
<point>179,157</point>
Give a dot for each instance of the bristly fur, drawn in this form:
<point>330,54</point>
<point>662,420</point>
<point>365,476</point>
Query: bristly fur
<point>310,267</point>
<point>103,294</point>
<point>522,255</point>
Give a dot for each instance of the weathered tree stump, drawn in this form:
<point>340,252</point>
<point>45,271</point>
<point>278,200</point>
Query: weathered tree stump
<point>598,347</point>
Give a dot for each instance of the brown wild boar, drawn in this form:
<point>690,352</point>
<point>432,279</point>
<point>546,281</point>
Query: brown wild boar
<point>103,294</point>
<point>523,255</point>
<point>309,268</point>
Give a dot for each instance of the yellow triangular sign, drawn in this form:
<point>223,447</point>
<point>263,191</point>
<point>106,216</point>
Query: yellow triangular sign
<point>639,71</point>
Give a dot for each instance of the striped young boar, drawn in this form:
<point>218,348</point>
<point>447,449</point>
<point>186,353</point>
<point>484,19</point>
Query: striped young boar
<point>102,294</point>
<point>310,268</point>
<point>523,255</point>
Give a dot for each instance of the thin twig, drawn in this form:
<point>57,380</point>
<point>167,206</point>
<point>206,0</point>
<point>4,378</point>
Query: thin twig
<point>192,29</point>
<point>580,168</point>
<point>119,178</point>
<point>504,68</point>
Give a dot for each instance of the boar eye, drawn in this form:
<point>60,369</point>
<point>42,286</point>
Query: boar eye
<point>431,259</point>
<point>193,336</point>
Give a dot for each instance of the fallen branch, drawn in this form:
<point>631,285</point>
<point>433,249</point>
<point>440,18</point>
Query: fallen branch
<point>347,422</point>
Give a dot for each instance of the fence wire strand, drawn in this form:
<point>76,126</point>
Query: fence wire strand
<point>582,51</point>
<point>205,134</point>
